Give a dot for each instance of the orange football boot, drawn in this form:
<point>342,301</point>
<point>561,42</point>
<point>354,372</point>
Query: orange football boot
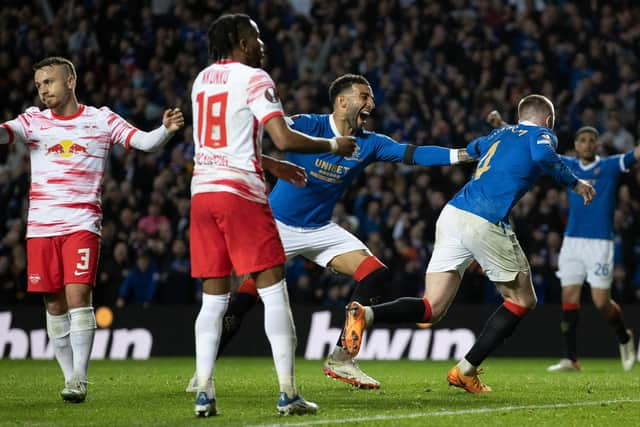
<point>470,383</point>
<point>354,326</point>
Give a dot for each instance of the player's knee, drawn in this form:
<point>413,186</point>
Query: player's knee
<point>531,303</point>
<point>438,312</point>
<point>603,305</point>
<point>528,301</point>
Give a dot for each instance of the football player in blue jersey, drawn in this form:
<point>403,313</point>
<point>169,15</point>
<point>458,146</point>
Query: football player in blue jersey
<point>303,213</point>
<point>474,225</point>
<point>587,248</point>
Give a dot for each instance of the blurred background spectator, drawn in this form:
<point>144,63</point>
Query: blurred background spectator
<point>436,67</point>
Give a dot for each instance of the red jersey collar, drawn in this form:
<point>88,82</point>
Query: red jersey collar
<point>73,116</point>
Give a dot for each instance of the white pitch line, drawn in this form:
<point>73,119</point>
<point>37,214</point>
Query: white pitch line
<point>448,413</point>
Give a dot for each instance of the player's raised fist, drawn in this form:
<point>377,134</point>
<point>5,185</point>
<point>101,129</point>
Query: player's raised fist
<point>495,119</point>
<point>173,119</point>
<point>346,145</point>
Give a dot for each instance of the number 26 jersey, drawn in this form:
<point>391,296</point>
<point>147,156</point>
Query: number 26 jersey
<point>231,102</point>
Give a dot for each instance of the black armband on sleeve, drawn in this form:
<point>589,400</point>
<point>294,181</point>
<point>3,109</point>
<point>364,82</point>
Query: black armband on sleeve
<point>408,155</point>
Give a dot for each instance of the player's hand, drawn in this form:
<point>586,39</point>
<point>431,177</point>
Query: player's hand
<point>495,119</point>
<point>464,157</point>
<point>584,189</point>
<point>173,119</point>
<point>346,145</point>
<point>286,171</point>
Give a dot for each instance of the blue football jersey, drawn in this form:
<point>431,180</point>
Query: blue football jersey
<point>328,174</point>
<point>511,160</point>
<point>595,220</point>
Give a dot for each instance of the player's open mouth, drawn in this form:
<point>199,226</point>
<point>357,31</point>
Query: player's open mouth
<point>363,116</point>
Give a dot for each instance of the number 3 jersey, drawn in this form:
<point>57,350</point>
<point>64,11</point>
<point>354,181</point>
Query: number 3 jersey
<point>231,103</point>
<point>68,156</point>
<point>511,161</point>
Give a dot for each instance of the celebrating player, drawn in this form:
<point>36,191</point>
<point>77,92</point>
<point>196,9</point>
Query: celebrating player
<point>474,224</point>
<point>587,248</point>
<point>303,214</point>
<point>68,145</point>
<point>231,222</point>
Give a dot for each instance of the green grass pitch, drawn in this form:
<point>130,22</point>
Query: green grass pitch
<point>413,393</point>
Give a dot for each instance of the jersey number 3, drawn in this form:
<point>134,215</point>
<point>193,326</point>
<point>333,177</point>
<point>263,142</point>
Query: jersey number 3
<point>212,119</point>
<point>484,166</point>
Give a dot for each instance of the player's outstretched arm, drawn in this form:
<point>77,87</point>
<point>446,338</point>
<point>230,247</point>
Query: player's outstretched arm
<point>286,171</point>
<point>172,120</point>
<point>287,139</point>
<point>432,155</point>
<point>584,189</point>
<point>543,153</point>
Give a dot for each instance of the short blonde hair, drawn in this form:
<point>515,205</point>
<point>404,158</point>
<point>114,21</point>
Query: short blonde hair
<point>537,106</point>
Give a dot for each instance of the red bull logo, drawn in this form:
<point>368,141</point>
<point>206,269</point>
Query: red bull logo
<point>66,148</point>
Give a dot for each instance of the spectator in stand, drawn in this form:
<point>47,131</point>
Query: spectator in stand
<point>153,221</point>
<point>177,286</point>
<point>616,137</point>
<point>140,283</point>
<point>112,272</point>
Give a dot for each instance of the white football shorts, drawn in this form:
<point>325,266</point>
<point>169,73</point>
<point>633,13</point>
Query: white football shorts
<point>320,244</point>
<point>462,237</point>
<point>582,258</point>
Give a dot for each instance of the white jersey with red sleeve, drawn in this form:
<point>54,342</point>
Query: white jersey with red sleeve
<point>231,102</point>
<point>68,156</point>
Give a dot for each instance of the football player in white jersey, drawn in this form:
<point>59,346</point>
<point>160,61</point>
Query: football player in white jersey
<point>69,144</point>
<point>232,226</point>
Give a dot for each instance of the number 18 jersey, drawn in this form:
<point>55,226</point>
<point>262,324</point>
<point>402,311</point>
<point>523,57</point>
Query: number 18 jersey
<point>231,103</point>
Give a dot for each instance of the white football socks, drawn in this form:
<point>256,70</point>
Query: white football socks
<point>58,329</point>
<point>339,354</point>
<point>208,331</point>
<point>467,368</point>
<point>83,329</point>
<point>368,316</point>
<point>280,330</point>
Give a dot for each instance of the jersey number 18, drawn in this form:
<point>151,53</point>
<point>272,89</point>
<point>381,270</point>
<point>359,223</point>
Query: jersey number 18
<point>212,112</point>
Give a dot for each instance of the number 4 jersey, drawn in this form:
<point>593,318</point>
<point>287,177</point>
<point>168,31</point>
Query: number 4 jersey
<point>231,103</point>
<point>511,160</point>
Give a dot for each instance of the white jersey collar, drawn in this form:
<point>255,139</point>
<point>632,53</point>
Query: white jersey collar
<point>590,165</point>
<point>334,128</point>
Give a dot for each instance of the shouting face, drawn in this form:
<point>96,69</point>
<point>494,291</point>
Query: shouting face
<point>358,106</point>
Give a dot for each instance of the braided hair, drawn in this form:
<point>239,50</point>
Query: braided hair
<point>224,34</point>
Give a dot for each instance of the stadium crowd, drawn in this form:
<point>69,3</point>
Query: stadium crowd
<point>437,69</point>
